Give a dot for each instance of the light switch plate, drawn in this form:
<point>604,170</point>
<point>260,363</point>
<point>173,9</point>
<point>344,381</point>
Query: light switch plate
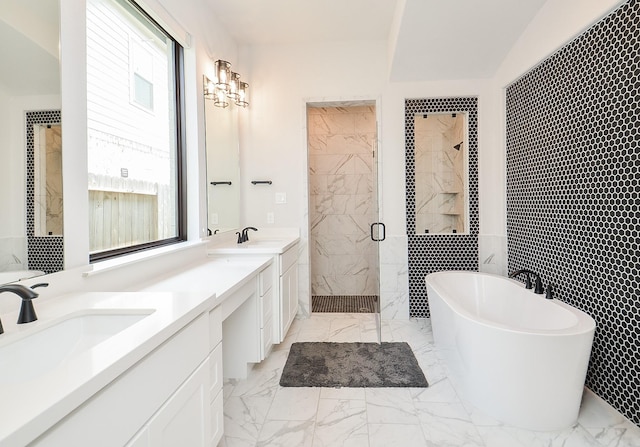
<point>281,197</point>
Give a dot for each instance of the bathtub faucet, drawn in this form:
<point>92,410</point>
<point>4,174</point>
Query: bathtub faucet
<point>539,289</point>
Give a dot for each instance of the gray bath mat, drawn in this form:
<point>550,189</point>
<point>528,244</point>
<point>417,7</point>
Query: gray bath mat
<point>354,365</point>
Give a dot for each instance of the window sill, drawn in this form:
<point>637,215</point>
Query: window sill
<point>134,258</point>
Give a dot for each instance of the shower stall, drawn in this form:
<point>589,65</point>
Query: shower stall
<point>343,207</point>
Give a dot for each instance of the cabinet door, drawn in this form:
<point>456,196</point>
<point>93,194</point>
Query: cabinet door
<point>185,418</point>
<point>293,294</point>
<point>289,304</point>
<point>285,308</point>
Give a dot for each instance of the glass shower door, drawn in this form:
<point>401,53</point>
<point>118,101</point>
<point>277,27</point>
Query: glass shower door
<point>377,235</point>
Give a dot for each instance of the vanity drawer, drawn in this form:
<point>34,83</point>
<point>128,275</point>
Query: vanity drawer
<point>265,280</point>
<point>288,258</point>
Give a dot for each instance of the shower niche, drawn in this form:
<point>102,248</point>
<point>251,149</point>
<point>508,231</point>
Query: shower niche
<point>441,172</point>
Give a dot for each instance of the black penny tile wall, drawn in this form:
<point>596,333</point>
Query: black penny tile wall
<point>573,190</point>
<point>430,253</point>
<point>44,253</point>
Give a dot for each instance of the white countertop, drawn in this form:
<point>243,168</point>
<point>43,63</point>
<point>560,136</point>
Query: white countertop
<point>256,245</point>
<point>30,406</point>
<point>218,275</point>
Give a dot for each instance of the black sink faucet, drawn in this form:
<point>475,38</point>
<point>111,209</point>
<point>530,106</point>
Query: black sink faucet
<point>27,312</point>
<point>539,289</point>
<point>244,236</point>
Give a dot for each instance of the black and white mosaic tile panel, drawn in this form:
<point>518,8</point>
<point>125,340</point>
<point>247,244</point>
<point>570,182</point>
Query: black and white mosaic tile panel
<point>573,190</point>
<point>44,253</point>
<point>430,253</point>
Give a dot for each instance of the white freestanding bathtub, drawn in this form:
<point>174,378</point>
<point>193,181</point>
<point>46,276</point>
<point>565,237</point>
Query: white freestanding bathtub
<point>516,355</point>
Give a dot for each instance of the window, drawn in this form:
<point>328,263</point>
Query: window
<point>134,103</point>
<point>142,91</point>
<point>141,68</point>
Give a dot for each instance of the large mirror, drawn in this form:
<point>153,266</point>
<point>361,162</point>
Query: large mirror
<point>30,139</point>
<point>441,172</point>
<point>223,167</point>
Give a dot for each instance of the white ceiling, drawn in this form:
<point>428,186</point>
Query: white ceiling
<point>435,39</point>
<point>254,22</point>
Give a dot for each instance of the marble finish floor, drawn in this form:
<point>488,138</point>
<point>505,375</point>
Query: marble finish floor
<point>258,412</point>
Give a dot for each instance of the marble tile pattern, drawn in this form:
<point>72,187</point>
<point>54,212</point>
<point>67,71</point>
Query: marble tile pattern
<point>13,253</point>
<point>258,412</point>
<point>439,170</point>
<point>492,250</point>
<point>342,255</point>
<point>394,278</point>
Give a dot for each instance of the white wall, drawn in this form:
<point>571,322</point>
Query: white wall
<point>273,140</point>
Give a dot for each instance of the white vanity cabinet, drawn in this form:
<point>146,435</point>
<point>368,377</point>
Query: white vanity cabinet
<point>164,400</point>
<point>247,325</point>
<point>182,420</point>
<point>284,283</point>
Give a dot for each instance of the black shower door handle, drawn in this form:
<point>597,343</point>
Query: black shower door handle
<point>384,232</point>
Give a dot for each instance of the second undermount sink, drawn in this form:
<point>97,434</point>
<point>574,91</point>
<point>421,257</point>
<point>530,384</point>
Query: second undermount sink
<point>36,353</point>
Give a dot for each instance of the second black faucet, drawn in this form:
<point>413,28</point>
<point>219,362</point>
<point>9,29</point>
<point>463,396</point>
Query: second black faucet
<point>539,288</point>
<point>244,235</point>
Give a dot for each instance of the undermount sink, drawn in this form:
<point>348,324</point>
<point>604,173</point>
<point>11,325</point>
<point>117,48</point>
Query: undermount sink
<point>41,351</point>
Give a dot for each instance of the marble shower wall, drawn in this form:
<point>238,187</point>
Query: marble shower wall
<point>440,197</point>
<point>13,253</point>
<point>343,260</point>
<point>48,179</point>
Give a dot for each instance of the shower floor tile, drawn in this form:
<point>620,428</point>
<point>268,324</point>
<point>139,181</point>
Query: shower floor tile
<point>344,303</point>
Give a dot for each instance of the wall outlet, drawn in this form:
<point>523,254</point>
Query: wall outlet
<point>281,197</point>
<point>214,218</point>
<point>270,218</point>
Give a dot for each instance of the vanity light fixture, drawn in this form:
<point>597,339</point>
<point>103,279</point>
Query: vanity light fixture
<point>223,74</point>
<point>234,85</point>
<point>220,98</point>
<point>226,87</point>
<point>242,95</point>
<point>209,88</point>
